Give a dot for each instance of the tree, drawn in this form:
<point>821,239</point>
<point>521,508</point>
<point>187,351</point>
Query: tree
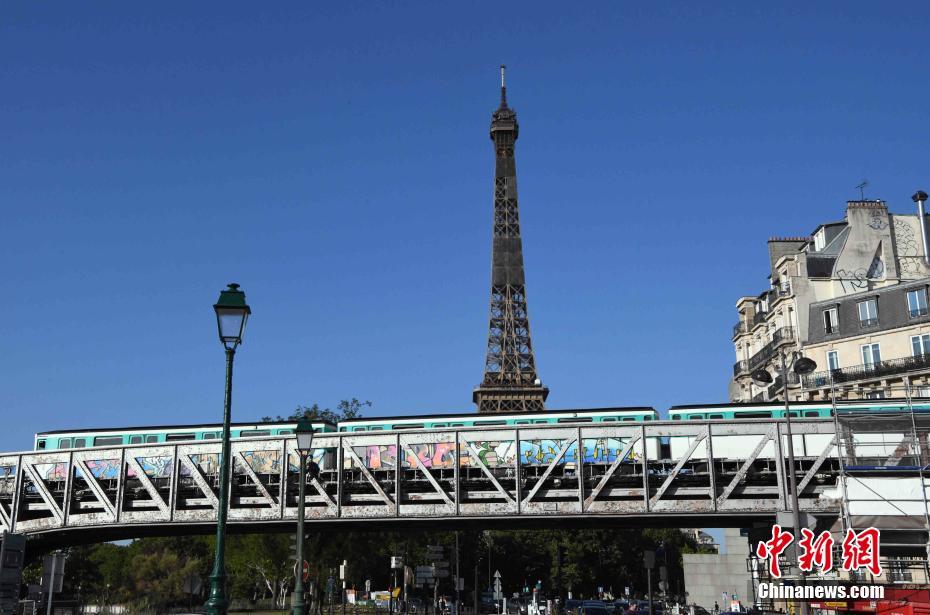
<point>345,409</point>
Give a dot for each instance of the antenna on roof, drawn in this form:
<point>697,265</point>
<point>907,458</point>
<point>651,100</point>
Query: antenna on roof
<point>861,188</point>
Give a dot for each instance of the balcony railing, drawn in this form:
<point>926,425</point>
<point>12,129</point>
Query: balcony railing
<point>740,367</point>
<point>758,318</point>
<point>865,323</point>
<point>775,389</point>
<point>918,312</point>
<point>868,371</point>
<point>781,336</point>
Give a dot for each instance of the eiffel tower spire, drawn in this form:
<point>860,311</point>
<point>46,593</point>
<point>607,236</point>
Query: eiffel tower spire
<point>510,382</point>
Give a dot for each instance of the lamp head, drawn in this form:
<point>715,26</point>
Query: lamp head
<point>804,366</point>
<point>919,197</point>
<point>304,433</point>
<point>232,312</point>
<point>762,377</point>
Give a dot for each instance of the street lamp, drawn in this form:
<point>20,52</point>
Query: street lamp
<point>231,314</point>
<point>304,450</point>
<point>801,366</point>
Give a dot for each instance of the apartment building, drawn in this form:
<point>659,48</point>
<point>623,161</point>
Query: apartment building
<point>853,297</point>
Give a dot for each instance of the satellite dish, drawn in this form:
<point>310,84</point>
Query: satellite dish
<point>762,377</point>
<point>804,366</point>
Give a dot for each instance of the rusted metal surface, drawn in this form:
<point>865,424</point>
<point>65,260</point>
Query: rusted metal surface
<point>457,475</point>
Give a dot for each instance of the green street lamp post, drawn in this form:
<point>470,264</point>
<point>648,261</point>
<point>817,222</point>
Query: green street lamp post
<point>304,450</point>
<point>231,314</point>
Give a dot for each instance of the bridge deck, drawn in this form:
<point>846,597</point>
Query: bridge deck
<point>656,472</point>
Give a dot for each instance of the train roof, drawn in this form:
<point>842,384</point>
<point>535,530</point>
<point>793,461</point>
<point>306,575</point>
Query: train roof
<point>189,426</point>
<point>890,401</point>
<point>452,415</point>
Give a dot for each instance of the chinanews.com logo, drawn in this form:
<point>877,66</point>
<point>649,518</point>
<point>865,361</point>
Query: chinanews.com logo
<point>859,551</point>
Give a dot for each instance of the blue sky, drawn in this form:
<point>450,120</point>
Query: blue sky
<point>334,160</point>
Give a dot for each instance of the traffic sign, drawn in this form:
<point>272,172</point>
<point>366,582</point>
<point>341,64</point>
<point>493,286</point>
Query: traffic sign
<point>397,562</point>
<point>498,594</point>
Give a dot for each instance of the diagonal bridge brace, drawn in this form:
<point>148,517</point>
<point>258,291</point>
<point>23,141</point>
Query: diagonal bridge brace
<point>550,468</point>
<point>429,477</point>
<point>699,437</point>
<point>610,472</point>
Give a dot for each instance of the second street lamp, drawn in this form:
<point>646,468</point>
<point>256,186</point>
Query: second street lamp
<point>800,366</point>
<point>232,312</point>
<point>304,450</point>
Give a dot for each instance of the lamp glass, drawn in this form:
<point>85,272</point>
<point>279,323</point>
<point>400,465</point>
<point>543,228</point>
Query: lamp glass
<point>305,433</point>
<point>304,441</point>
<point>232,312</point>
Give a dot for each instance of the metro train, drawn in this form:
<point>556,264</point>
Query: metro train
<point>673,447</point>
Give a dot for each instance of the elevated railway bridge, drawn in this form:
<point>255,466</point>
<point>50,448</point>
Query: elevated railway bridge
<point>660,473</point>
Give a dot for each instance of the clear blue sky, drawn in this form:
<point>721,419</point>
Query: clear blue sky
<point>334,160</point>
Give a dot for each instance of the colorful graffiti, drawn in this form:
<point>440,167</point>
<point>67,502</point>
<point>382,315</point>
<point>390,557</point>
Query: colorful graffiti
<point>438,455</point>
<point>434,455</point>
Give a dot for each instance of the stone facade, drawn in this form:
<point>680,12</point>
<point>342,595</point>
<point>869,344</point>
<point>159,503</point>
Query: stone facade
<point>853,297</point>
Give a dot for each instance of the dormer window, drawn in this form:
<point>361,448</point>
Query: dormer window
<point>820,240</point>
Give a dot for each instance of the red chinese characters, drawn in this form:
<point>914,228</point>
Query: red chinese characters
<point>817,552</point>
<point>861,550</point>
<point>771,549</point>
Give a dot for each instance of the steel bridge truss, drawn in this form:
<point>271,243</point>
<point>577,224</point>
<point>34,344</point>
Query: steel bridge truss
<point>637,470</point>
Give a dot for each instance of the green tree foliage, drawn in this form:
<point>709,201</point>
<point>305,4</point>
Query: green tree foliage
<point>345,409</point>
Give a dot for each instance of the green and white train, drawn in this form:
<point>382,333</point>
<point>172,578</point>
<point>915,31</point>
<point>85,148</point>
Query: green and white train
<point>672,447</point>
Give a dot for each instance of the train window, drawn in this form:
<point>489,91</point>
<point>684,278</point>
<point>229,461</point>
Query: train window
<point>696,417</point>
<point>375,428</point>
<point>754,415</point>
<point>581,419</point>
<point>647,418</point>
<point>255,433</point>
<point>80,442</point>
<point>676,417</point>
<point>359,429</point>
<point>811,413</point>
<point>628,418</point>
<point>40,444</point>
<point>108,440</point>
<point>179,437</point>
<point>456,424</point>
<point>490,422</point>
<point>64,443</point>
<point>521,422</point>
<point>210,435</point>
<point>409,426</point>
<point>609,419</point>
<point>151,439</point>
<point>135,439</point>
<point>541,421</point>
<point>715,416</point>
<point>435,425</point>
<point>285,432</point>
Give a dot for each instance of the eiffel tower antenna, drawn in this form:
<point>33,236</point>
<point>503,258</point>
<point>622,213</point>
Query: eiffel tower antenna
<point>510,383</point>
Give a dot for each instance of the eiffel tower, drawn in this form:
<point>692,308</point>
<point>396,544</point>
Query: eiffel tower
<point>510,382</point>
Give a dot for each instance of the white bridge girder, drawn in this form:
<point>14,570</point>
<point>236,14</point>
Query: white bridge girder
<point>640,470</point>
